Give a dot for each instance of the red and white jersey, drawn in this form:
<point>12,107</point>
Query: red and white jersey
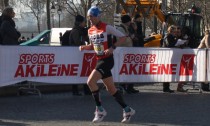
<point>101,38</point>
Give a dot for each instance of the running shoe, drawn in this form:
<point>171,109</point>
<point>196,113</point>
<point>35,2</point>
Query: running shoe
<point>99,116</point>
<point>127,115</point>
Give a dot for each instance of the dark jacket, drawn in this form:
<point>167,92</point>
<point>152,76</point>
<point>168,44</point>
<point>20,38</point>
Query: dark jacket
<point>139,35</point>
<point>78,36</point>
<point>8,32</point>
<point>169,41</point>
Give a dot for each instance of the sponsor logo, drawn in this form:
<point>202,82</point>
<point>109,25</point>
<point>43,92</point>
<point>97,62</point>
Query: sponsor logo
<point>144,64</point>
<point>88,64</point>
<point>42,65</point>
<point>186,65</point>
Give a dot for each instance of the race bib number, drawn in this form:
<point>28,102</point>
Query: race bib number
<point>99,49</point>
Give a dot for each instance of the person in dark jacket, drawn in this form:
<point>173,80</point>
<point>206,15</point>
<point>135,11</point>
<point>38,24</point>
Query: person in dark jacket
<point>169,41</point>
<point>8,32</point>
<point>78,36</point>
<point>139,39</point>
<point>170,38</point>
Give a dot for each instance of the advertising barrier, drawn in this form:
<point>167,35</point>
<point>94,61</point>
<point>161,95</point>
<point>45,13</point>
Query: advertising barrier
<point>160,65</point>
<point>208,66</point>
<point>67,65</point>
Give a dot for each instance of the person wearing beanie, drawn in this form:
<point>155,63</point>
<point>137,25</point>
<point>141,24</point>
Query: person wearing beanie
<point>125,19</point>
<point>124,28</point>
<point>128,28</point>
<point>79,19</point>
<point>101,42</point>
<point>138,41</point>
<point>137,16</point>
<point>78,36</point>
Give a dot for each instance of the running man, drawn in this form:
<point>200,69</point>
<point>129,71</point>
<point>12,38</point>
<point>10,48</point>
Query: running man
<point>100,34</point>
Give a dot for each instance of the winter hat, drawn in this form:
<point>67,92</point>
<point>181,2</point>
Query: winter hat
<point>94,11</point>
<point>137,16</point>
<point>79,18</point>
<point>125,18</point>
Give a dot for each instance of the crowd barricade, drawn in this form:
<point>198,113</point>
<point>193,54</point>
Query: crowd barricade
<point>67,65</point>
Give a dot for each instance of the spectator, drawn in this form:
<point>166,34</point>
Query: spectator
<point>60,37</point>
<point>78,36</point>
<point>104,49</point>
<point>175,34</point>
<point>124,28</point>
<point>9,34</point>
<point>23,39</point>
<point>32,35</point>
<point>169,41</point>
<point>205,42</point>
<point>129,30</point>
<point>182,34</point>
<point>138,41</point>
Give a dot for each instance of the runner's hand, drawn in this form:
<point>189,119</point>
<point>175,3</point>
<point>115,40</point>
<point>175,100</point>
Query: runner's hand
<point>81,48</point>
<point>109,51</point>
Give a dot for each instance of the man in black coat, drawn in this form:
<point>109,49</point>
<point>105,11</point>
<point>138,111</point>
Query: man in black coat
<point>169,41</point>
<point>78,36</point>
<point>8,32</point>
<point>139,37</point>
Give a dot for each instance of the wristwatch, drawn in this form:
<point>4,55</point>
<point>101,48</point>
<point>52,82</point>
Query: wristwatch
<point>113,46</point>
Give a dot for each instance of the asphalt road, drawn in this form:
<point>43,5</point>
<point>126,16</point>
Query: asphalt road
<point>153,108</point>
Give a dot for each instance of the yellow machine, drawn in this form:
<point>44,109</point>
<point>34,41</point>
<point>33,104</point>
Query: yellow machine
<point>153,41</point>
<point>151,8</point>
<point>147,8</point>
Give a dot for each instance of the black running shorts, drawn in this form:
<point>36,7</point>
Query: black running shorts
<point>104,66</point>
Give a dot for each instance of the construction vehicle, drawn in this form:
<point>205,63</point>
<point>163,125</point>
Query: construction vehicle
<point>151,8</point>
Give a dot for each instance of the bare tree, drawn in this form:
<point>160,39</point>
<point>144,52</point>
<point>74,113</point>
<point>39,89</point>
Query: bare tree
<point>3,4</point>
<point>202,5</point>
<point>6,3</point>
<point>206,13</point>
<point>74,7</point>
<point>36,7</point>
<point>48,14</point>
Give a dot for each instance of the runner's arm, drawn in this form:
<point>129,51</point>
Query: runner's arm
<point>121,37</point>
<point>86,47</point>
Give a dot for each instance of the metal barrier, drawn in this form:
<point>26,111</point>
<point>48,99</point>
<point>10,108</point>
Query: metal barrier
<point>28,88</point>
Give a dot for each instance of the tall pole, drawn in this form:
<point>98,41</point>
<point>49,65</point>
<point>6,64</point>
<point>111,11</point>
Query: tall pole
<point>59,16</point>
<point>59,20</point>
<point>6,3</point>
<point>206,16</point>
<point>53,13</point>
<point>53,20</point>
<point>48,15</point>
